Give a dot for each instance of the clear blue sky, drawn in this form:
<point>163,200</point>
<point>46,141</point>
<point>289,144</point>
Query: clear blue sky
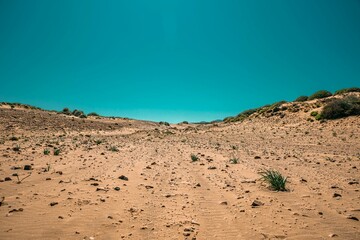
<point>175,60</point>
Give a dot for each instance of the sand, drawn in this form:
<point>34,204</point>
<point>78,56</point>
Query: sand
<point>127,179</point>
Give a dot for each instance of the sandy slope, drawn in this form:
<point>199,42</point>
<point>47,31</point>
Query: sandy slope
<point>167,196</point>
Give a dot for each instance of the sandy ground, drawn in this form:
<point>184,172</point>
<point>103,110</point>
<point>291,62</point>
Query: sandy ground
<point>150,188</point>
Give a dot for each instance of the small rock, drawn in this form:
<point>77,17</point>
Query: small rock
<point>116,188</point>
<point>257,157</point>
<point>211,167</point>
<point>53,203</point>
<point>27,167</point>
<point>122,177</point>
<point>352,218</point>
<point>337,195</point>
<point>333,235</point>
<point>256,203</point>
<point>353,182</point>
<point>7,179</point>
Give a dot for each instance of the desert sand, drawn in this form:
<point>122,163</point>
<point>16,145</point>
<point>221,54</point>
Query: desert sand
<point>117,178</point>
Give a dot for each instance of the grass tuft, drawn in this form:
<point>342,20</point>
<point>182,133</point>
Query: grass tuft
<point>194,158</point>
<point>274,178</point>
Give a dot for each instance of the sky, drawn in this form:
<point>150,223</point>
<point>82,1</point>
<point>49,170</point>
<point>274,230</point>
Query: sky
<point>175,60</point>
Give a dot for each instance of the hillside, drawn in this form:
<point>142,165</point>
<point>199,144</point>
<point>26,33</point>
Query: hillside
<point>64,177</point>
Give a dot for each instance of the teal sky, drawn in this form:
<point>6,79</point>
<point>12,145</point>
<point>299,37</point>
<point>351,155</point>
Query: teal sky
<point>175,60</point>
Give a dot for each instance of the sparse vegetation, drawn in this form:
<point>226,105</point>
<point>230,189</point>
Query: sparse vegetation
<point>234,160</point>
<point>338,108</point>
<point>301,99</point>
<point>194,158</point>
<point>57,152</point>
<point>46,151</point>
<point>94,114</point>
<point>274,178</point>
<point>320,94</point>
<point>347,90</point>
<point>164,123</point>
<point>314,113</point>
<point>114,149</point>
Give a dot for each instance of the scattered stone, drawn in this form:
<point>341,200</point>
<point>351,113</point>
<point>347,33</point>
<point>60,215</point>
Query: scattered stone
<point>61,217</point>
<point>117,188</point>
<point>48,179</point>
<point>59,172</point>
<point>257,157</point>
<point>27,167</point>
<point>149,187</point>
<point>336,195</point>
<point>353,182</point>
<point>16,210</point>
<point>333,235</point>
<point>7,179</point>
<point>303,180</point>
<point>224,203</point>
<point>352,218</point>
<point>256,203</point>
<point>94,184</point>
<point>122,177</point>
<point>211,167</point>
<point>53,203</point>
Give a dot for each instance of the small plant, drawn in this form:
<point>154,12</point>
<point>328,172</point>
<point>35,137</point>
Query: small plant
<point>98,142</point>
<point>314,113</point>
<point>46,151</point>
<point>56,152</point>
<point>114,149</point>
<point>194,158</point>
<point>234,160</point>
<point>275,179</point>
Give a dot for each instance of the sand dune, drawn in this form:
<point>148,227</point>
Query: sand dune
<point>129,179</point>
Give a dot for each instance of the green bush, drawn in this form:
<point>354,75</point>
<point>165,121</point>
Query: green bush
<point>57,152</point>
<point>114,149</point>
<point>234,160</point>
<point>313,113</point>
<point>301,99</point>
<point>347,90</point>
<point>46,151</point>
<point>320,94</point>
<point>194,158</point>
<point>275,179</point>
<point>338,108</point>
<point>66,111</point>
<point>93,114</point>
